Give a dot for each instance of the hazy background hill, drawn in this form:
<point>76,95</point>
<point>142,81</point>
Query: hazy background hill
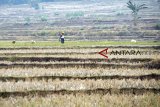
<point>79,19</point>
<point>27,1</point>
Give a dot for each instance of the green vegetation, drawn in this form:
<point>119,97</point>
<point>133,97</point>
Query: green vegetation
<point>34,4</point>
<point>42,33</point>
<point>135,10</point>
<point>27,21</point>
<point>74,44</point>
<point>44,18</point>
<point>13,42</point>
<point>12,59</point>
<point>75,14</point>
<point>157,26</point>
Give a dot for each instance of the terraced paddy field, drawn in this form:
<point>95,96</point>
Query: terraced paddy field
<point>37,71</point>
<point>80,20</point>
<point>78,76</point>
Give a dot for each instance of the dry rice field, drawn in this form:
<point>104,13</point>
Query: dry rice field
<point>79,77</point>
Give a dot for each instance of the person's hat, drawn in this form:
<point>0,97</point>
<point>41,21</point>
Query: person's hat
<point>62,33</point>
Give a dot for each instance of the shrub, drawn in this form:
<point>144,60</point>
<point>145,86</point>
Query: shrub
<point>42,33</point>
<point>157,26</point>
<point>12,59</point>
<point>27,20</point>
<point>44,18</point>
<point>75,14</point>
<point>14,42</point>
<point>35,4</point>
<point>123,33</point>
<point>52,33</point>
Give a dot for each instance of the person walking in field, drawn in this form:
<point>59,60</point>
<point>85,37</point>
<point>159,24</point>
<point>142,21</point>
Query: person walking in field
<point>61,38</point>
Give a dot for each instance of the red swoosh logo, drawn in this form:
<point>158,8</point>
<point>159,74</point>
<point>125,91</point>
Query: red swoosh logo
<point>104,53</point>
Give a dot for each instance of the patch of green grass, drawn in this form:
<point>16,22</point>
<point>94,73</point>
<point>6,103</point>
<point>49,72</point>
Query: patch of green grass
<point>74,44</point>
